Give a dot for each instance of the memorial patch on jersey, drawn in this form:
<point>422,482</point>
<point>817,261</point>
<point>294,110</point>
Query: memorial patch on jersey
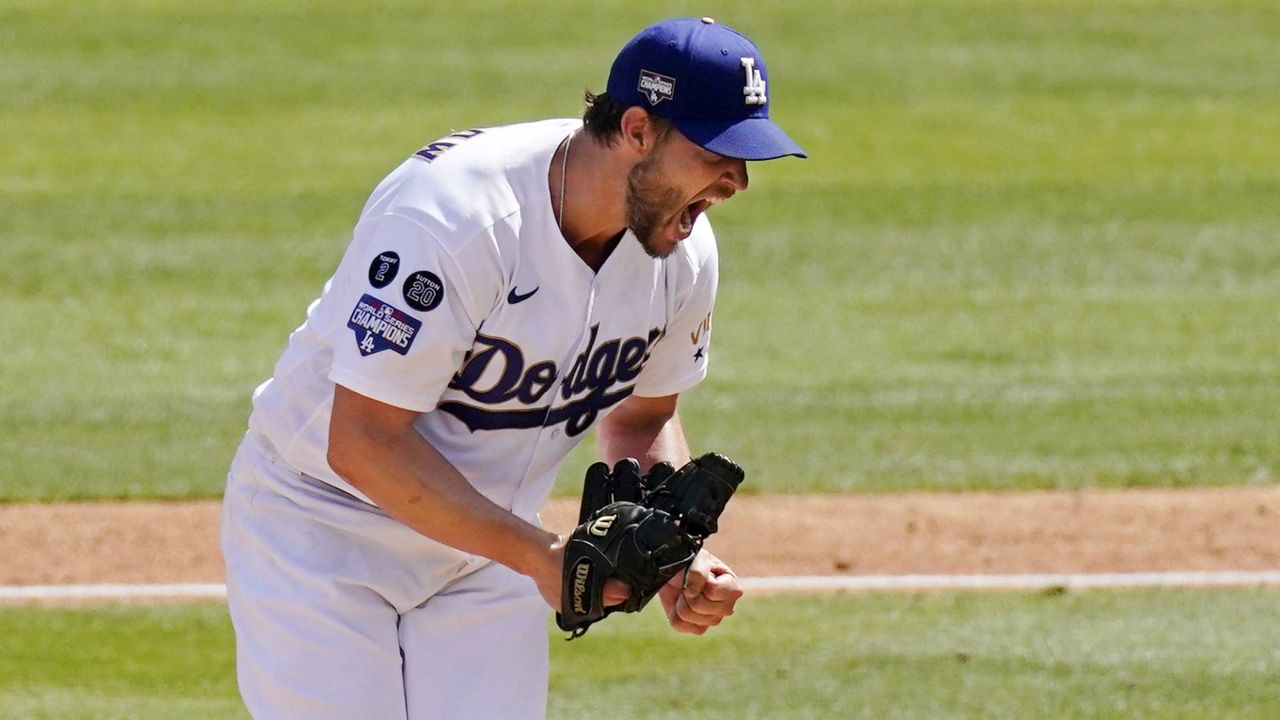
<point>383,269</point>
<point>381,326</point>
<point>423,290</point>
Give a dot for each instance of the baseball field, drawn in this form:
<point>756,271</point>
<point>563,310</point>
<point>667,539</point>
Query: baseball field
<point>1035,254</point>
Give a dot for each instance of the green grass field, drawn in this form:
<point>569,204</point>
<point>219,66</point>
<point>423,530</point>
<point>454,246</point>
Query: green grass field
<point>1131,654</point>
<point>1035,246</point>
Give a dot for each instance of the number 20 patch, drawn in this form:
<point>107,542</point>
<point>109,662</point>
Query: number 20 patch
<point>381,326</point>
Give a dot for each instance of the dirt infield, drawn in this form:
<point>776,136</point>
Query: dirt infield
<point>995,533</point>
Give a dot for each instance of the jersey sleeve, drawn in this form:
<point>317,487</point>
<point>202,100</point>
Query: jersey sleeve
<point>405,314</point>
<point>678,360</point>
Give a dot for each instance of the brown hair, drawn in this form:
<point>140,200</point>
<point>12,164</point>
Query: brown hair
<point>602,118</point>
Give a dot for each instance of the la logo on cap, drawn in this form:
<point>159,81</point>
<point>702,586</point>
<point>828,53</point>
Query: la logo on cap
<point>753,91</point>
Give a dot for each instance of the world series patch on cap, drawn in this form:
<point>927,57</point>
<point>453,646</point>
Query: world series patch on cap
<point>709,81</point>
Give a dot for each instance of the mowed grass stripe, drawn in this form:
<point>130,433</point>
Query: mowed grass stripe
<point>1149,653</point>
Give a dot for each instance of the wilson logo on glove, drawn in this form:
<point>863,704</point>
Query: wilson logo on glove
<point>600,526</point>
<point>581,579</point>
<point>641,529</point>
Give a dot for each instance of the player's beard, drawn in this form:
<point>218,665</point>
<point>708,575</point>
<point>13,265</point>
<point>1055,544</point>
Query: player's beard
<point>650,203</point>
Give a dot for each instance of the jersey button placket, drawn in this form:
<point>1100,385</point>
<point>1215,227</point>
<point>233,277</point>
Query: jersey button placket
<point>565,370</point>
<point>553,432</point>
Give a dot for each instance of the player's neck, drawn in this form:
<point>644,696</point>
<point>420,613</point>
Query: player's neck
<point>593,197</point>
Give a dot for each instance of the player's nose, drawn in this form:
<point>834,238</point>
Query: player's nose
<point>736,175</point>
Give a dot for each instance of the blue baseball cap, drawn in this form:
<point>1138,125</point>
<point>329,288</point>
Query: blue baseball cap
<point>708,80</point>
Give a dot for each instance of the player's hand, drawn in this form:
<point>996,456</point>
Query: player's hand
<point>550,578</point>
<point>616,592</point>
<point>548,574</point>
<point>707,598</point>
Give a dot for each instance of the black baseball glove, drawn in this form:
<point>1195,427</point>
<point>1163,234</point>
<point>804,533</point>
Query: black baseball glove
<point>641,529</point>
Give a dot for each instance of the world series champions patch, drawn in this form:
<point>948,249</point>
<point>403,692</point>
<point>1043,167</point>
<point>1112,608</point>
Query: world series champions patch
<point>381,326</point>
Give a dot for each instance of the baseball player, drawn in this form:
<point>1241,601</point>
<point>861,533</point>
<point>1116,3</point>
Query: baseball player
<point>506,290</point>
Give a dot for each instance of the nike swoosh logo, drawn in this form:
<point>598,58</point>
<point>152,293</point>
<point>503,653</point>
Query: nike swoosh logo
<point>514,297</point>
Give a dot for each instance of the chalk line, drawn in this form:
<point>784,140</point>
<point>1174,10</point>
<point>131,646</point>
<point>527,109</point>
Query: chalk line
<point>814,583</point>
<point>799,584</point>
<point>180,591</point>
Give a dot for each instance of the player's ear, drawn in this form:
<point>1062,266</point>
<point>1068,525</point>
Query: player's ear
<point>639,131</point>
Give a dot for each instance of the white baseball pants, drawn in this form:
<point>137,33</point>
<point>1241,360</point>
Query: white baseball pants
<point>342,612</point>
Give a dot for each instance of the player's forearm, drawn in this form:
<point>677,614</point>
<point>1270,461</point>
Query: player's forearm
<point>412,482</point>
<point>647,437</point>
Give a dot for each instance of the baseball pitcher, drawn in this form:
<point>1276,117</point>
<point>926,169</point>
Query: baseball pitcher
<point>506,290</point>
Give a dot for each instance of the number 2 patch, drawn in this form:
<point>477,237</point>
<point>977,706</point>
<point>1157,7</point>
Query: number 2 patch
<point>381,326</point>
<point>383,269</point>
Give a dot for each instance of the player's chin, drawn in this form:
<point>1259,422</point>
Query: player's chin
<point>660,242</point>
<point>657,245</point>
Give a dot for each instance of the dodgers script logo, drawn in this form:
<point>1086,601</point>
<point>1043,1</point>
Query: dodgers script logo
<point>494,373</point>
<point>381,326</point>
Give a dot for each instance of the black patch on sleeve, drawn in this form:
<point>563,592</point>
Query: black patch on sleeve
<point>383,269</point>
<point>424,291</point>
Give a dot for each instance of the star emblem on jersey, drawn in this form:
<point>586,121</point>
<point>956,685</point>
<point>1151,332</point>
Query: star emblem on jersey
<point>379,326</point>
<point>656,87</point>
<point>515,297</point>
<point>753,91</point>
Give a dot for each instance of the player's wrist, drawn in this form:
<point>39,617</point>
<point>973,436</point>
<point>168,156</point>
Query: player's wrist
<point>541,558</point>
<point>537,554</point>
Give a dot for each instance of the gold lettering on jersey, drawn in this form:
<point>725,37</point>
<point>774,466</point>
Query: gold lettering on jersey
<point>704,327</point>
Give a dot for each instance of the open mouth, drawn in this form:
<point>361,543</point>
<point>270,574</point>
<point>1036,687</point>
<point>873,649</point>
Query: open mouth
<point>690,214</point>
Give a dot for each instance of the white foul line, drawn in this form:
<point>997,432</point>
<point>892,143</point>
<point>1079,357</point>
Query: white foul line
<point>181,591</point>
<point>1013,582</point>
<point>810,583</point>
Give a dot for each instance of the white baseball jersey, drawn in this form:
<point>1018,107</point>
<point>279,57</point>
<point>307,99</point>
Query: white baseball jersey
<point>460,298</point>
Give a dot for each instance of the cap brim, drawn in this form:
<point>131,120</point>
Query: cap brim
<point>748,139</point>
